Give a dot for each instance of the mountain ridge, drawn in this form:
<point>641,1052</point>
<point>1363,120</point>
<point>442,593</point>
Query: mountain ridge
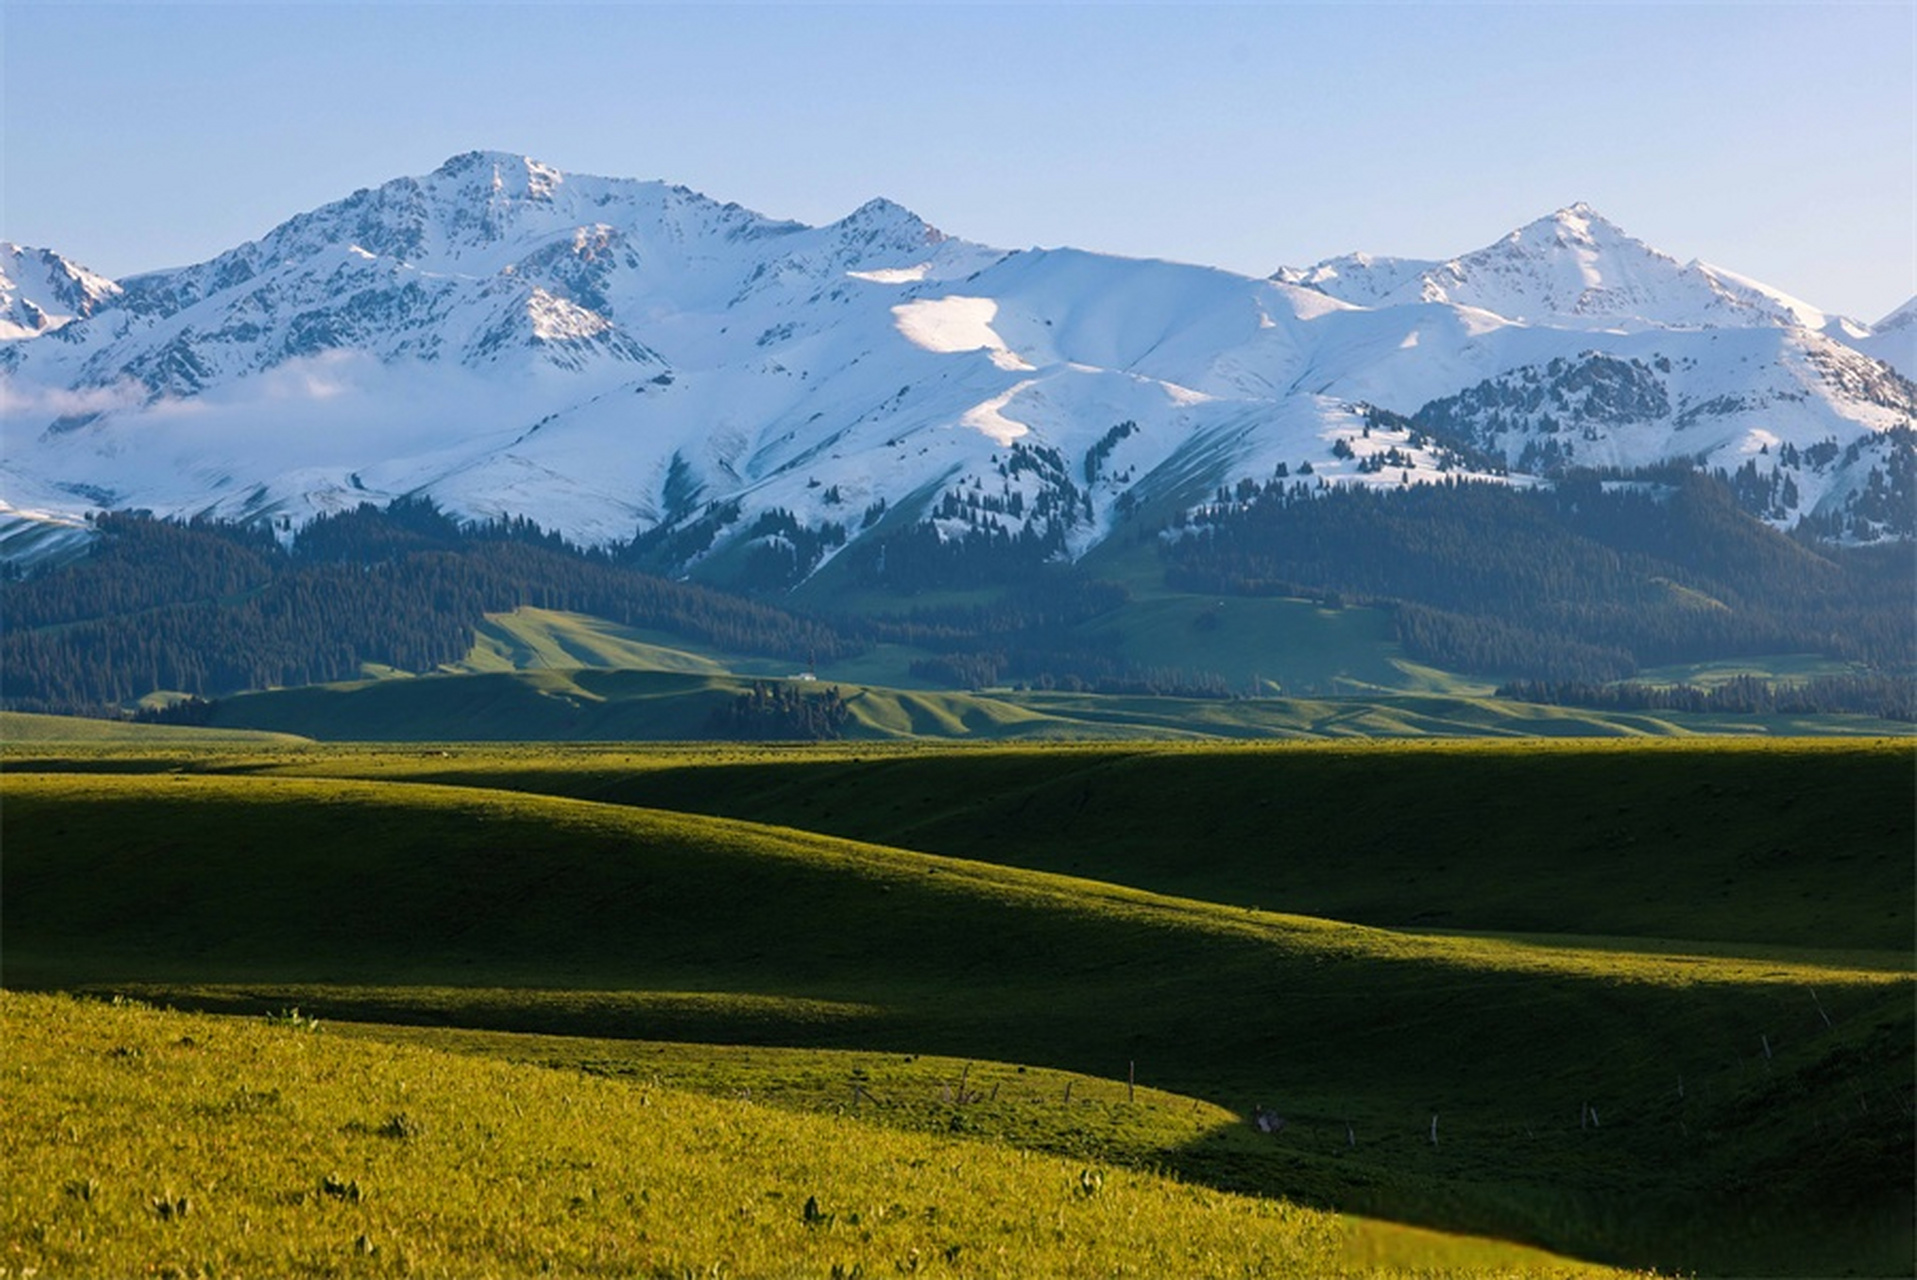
<point>41,290</point>
<point>1580,248</point>
<point>614,357</point>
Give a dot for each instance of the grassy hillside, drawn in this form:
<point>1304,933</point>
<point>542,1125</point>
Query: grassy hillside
<point>594,704</point>
<point>548,675</point>
<point>1270,645</point>
<point>1800,843</point>
<point>537,639</point>
<point>553,704</point>
<point>530,705</point>
<point>26,727</point>
<point>1786,667</point>
<point>140,1142</point>
<point>1267,644</point>
<point>523,912</point>
<point>1273,645</point>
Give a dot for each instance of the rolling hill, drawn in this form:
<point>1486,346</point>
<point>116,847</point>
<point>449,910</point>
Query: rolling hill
<point>480,908</point>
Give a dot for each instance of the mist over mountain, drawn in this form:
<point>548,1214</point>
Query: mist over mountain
<point>615,358</point>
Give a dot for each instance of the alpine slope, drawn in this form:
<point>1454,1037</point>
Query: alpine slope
<point>611,357</point>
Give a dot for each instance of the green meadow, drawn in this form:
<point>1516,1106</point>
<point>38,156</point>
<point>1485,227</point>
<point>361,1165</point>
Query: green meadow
<point>599,704</point>
<point>1298,671</point>
<point>1638,1004</point>
<point>147,1143</point>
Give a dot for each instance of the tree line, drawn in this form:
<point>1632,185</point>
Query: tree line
<point>1586,580</point>
<point>774,711</point>
<point>1575,587</point>
<point>1888,697</point>
<point>207,609</point>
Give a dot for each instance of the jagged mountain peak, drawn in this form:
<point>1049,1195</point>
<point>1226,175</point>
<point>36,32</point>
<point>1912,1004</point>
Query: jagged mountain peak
<point>492,257</point>
<point>608,355</point>
<point>884,226</point>
<point>882,212</point>
<point>1576,241</point>
<point>1543,268</point>
<point>1578,229</point>
<point>1892,339</point>
<point>1901,318</point>
<point>1571,268</point>
<point>1576,221</point>
<point>879,208</point>
<point>41,291</point>
<point>499,175</point>
<point>1581,215</point>
<point>480,211</point>
<point>481,160</point>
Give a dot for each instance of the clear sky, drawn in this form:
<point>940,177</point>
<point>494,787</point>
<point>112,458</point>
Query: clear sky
<point>1779,141</point>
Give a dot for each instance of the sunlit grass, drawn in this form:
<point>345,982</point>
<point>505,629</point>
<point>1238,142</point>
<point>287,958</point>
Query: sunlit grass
<point>146,1143</point>
<point>1748,1081</point>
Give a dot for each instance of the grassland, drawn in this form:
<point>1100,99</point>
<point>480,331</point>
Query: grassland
<point>545,676</point>
<point>603,704</point>
<point>1314,669</point>
<point>140,1142</point>
<point>23,728</point>
<point>1782,668</point>
<point>1686,843</point>
<point>1748,1048</point>
<point>1273,645</point>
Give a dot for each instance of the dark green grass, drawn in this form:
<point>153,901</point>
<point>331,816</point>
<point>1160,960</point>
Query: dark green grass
<point>1802,843</point>
<point>619,705</point>
<point>1270,645</point>
<point>1276,645</point>
<point>21,727</point>
<point>591,703</point>
<point>521,912</point>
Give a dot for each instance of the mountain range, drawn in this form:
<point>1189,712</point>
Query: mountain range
<point>615,358</point>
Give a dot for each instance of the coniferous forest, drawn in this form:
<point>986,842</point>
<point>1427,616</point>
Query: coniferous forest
<point>1558,592</point>
<point>207,609</point>
<point>1587,580</point>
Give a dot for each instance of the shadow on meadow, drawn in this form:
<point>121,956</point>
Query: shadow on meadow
<point>1626,1107</point>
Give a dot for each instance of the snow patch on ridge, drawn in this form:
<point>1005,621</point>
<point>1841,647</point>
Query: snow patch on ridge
<point>892,275</point>
<point>953,324</point>
<point>989,418</point>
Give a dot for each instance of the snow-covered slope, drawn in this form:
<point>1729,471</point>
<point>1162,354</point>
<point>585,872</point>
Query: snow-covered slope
<point>40,291</point>
<point>1892,339</point>
<point>1573,269</point>
<point>613,357</point>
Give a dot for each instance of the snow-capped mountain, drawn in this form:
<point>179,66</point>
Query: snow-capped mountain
<point>40,291</point>
<point>613,357</point>
<point>1892,339</point>
<point>1573,269</point>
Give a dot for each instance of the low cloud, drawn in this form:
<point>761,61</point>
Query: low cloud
<point>37,404</point>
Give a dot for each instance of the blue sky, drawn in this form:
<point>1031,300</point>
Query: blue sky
<point>1779,141</point>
